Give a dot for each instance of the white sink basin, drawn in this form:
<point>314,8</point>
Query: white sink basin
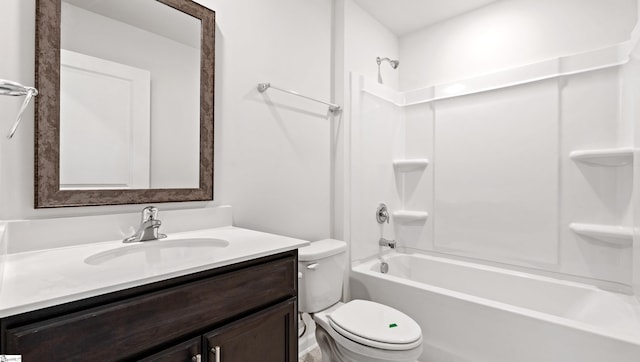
<point>160,253</point>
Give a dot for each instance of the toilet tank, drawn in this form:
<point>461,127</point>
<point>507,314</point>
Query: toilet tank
<point>321,268</point>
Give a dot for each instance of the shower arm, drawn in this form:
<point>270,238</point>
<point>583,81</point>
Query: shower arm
<point>10,88</point>
<point>394,63</point>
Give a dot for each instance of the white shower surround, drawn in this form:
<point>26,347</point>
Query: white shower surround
<point>589,84</point>
<point>471,312</point>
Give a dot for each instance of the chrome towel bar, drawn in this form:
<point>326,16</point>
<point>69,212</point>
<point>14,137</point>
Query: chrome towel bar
<point>262,87</point>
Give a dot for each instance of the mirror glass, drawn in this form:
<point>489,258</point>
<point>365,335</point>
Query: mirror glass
<point>124,113</point>
<point>129,96</point>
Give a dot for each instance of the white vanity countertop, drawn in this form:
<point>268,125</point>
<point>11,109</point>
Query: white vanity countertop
<point>44,278</point>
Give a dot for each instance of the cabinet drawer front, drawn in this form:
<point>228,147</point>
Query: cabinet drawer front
<point>134,325</point>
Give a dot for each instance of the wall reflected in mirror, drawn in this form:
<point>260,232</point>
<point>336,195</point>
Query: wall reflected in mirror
<point>129,96</point>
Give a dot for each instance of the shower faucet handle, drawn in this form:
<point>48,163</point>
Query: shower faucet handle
<point>382,214</point>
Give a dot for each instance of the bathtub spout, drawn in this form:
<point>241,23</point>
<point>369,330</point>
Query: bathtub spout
<point>389,243</point>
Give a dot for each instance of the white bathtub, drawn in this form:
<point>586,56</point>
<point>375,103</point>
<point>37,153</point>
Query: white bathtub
<point>471,312</point>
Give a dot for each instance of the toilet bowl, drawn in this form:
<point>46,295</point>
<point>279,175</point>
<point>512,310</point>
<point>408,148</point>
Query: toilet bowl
<point>356,331</point>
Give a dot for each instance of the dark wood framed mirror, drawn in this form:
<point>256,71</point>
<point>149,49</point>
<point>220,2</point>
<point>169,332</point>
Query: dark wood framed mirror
<point>118,122</point>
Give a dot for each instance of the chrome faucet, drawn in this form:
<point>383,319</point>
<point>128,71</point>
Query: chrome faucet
<point>389,243</point>
<point>148,229</point>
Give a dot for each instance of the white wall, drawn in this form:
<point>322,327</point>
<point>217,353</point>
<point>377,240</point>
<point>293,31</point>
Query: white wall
<point>16,156</point>
<point>365,38</point>
<point>506,34</point>
<point>271,151</point>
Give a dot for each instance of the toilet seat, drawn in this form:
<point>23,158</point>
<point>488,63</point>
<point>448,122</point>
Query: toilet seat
<point>375,325</point>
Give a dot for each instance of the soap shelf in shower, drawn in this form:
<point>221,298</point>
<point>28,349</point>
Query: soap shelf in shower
<point>408,165</point>
<point>405,216</point>
<point>611,157</point>
<point>616,235</point>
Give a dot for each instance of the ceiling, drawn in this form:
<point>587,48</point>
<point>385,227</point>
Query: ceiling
<point>406,16</point>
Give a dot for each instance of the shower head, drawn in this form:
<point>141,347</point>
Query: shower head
<point>394,63</point>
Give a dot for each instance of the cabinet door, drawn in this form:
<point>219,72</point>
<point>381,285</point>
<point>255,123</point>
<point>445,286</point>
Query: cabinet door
<point>188,351</point>
<point>266,336</point>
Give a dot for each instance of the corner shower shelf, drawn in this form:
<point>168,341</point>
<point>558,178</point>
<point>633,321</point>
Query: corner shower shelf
<point>610,157</point>
<point>409,165</point>
<point>405,216</point>
<point>616,235</point>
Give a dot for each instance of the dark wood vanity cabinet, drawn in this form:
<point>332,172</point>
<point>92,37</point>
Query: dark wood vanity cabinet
<point>247,310</point>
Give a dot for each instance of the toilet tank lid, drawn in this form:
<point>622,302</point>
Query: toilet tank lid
<point>321,249</point>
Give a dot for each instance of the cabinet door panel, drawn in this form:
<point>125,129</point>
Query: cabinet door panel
<point>188,351</point>
<point>267,336</point>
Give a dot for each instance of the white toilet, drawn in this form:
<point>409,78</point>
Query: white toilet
<point>359,330</point>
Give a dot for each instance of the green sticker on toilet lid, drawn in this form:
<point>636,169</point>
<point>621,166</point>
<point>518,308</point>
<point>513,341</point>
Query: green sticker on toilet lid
<point>392,325</point>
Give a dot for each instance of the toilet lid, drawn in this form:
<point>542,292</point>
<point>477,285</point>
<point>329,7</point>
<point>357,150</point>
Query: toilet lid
<point>376,325</point>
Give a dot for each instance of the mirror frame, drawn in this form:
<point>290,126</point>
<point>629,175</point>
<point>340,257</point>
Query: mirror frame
<point>47,118</point>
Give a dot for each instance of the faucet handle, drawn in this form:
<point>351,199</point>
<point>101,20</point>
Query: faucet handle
<point>149,213</point>
<point>382,214</point>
